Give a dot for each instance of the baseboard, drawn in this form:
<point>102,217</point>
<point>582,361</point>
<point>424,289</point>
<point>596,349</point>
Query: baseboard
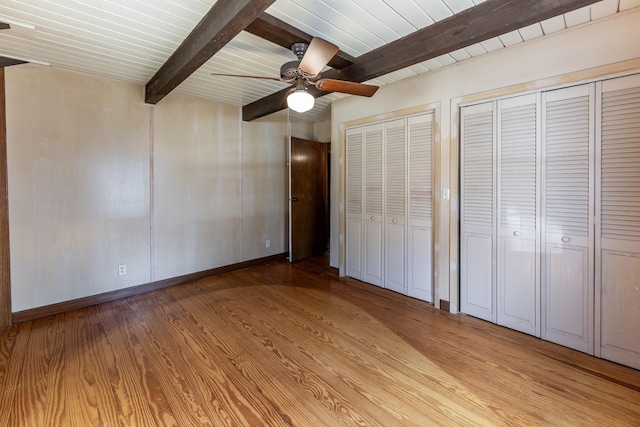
<point>76,304</point>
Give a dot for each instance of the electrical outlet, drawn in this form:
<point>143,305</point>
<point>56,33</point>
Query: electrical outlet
<point>122,269</point>
<point>267,244</point>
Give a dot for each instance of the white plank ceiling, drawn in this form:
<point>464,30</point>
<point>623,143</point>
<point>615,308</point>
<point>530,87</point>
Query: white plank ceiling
<point>129,40</point>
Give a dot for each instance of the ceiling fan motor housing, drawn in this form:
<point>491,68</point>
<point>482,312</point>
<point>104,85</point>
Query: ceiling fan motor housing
<point>299,49</point>
<point>291,71</point>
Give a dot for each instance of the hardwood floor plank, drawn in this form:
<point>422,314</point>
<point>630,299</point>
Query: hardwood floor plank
<point>280,389</point>
<point>87,378</point>
<point>84,366</point>
<point>227,399</point>
<point>39,398</point>
<point>294,345</point>
<point>15,340</point>
<point>137,390</point>
<point>177,387</point>
<point>219,397</point>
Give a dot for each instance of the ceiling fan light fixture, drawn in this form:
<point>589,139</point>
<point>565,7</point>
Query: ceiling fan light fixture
<point>300,101</point>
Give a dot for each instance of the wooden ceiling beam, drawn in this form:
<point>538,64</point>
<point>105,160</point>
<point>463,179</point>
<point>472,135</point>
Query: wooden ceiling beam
<point>279,32</point>
<point>479,23</point>
<point>221,24</point>
<point>7,62</point>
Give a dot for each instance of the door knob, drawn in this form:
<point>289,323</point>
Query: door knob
<point>373,218</point>
<point>566,239</point>
<point>394,220</point>
<point>294,199</point>
<point>516,233</point>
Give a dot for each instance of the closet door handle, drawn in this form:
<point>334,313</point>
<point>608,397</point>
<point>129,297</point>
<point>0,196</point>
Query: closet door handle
<point>394,220</point>
<point>516,233</point>
<point>566,239</point>
<point>373,218</point>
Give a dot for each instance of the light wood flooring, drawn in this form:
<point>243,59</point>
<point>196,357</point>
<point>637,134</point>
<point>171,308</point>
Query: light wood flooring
<point>282,345</point>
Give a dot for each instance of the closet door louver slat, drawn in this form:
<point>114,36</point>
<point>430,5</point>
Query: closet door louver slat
<point>373,171</point>
<point>395,158</point>
<point>567,167</point>
<point>478,169</point>
<point>421,168</point>
<point>620,155</point>
<point>354,171</point>
<point>518,130</point>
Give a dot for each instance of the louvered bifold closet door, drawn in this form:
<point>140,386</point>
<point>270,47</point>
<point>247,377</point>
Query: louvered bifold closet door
<point>517,274</point>
<point>354,203</point>
<point>619,231</point>
<point>373,203</point>
<point>395,190</point>
<point>568,178</point>
<point>476,211</point>
<point>420,213</point>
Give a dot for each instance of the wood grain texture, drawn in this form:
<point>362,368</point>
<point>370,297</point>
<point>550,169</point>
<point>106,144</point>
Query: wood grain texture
<point>7,62</point>
<point>309,202</point>
<point>217,28</point>
<point>5,261</point>
<point>293,344</point>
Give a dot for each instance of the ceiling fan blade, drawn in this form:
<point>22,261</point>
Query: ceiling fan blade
<point>247,77</point>
<point>342,86</point>
<point>318,54</point>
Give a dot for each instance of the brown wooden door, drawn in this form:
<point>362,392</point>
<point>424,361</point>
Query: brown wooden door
<point>309,195</point>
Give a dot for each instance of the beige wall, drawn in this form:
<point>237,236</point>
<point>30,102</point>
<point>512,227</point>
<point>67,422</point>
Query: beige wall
<point>322,131</point>
<point>197,212</point>
<point>97,179</point>
<point>540,63</point>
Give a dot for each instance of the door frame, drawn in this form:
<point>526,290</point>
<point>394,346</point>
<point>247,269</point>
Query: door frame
<point>5,264</point>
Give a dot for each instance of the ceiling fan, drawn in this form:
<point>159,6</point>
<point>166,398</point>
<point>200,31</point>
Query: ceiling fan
<point>304,72</point>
